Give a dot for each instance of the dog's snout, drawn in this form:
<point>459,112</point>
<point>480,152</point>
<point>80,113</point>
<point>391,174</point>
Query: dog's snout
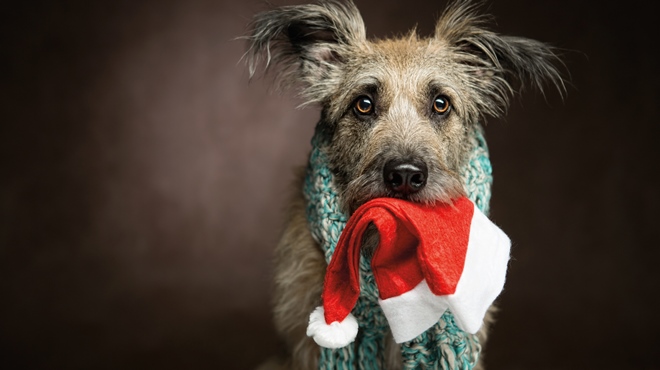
<point>405,177</point>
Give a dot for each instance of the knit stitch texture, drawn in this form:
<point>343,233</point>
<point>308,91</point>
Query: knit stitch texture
<point>444,346</point>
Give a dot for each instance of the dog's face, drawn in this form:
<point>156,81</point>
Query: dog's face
<point>399,111</point>
<point>397,127</point>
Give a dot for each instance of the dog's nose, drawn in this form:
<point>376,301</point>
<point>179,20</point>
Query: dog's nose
<point>405,177</point>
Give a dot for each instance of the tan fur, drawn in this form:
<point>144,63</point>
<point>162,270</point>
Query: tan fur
<point>299,272</point>
<point>323,49</point>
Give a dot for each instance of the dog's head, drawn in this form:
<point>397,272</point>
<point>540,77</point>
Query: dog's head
<point>399,111</point>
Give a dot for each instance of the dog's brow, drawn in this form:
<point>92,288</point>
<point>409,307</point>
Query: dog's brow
<point>369,85</point>
<point>369,89</point>
<point>440,86</point>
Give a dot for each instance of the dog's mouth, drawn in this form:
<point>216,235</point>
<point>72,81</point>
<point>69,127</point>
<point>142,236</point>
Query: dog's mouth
<point>434,187</point>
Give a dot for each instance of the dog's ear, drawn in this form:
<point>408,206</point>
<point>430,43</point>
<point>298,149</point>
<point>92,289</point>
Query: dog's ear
<point>496,66</point>
<point>308,42</point>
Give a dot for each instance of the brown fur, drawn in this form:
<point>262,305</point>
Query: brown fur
<point>323,49</point>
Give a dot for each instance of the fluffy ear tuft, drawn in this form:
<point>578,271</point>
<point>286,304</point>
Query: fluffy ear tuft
<point>495,63</point>
<point>308,42</point>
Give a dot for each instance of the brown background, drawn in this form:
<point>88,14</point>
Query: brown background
<point>143,179</point>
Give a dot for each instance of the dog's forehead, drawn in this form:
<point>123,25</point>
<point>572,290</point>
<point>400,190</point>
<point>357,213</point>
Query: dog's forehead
<point>404,70</point>
<point>405,63</point>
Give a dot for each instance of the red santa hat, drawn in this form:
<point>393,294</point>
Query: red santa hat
<point>429,259</point>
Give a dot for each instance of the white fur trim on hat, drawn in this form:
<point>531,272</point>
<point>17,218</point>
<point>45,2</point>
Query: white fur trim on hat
<point>413,312</point>
<point>333,335</point>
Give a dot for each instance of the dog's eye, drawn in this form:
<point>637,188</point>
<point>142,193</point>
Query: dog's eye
<point>441,105</point>
<point>364,105</point>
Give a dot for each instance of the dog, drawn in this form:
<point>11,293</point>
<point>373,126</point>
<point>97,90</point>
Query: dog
<point>399,112</point>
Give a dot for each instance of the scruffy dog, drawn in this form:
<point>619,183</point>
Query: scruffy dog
<point>400,113</point>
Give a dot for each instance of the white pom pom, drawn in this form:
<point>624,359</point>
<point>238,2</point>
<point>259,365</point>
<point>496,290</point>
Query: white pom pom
<point>334,335</point>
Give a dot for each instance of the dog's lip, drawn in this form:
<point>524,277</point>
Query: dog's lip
<point>394,196</point>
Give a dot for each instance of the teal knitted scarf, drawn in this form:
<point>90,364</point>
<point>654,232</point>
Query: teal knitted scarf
<point>443,346</point>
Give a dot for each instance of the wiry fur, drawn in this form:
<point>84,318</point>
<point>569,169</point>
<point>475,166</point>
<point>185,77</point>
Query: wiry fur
<point>323,49</point>
<point>308,41</point>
